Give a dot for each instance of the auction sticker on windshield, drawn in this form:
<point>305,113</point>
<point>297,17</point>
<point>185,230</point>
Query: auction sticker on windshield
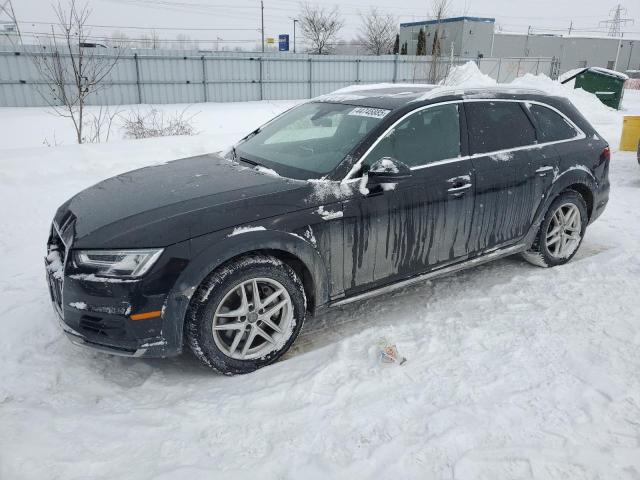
<point>369,112</point>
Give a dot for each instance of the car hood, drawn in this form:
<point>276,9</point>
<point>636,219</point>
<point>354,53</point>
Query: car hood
<point>163,204</point>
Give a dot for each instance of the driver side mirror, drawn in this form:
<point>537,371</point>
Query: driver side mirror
<point>388,170</point>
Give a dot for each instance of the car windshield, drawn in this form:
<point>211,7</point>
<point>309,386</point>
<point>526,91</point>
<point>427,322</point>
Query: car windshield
<point>310,140</point>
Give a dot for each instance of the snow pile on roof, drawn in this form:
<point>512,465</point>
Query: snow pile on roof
<point>611,73</point>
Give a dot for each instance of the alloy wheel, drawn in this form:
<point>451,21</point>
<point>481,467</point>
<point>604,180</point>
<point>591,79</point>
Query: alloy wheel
<point>253,319</point>
<point>564,231</point>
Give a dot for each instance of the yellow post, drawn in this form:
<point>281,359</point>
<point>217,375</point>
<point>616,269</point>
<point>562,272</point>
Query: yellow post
<point>630,133</point>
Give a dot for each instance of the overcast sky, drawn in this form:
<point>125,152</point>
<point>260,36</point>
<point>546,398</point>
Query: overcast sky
<point>239,20</point>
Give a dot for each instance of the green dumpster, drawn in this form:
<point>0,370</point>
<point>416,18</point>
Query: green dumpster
<point>607,85</point>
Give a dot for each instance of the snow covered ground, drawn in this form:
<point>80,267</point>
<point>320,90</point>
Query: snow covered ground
<point>513,371</point>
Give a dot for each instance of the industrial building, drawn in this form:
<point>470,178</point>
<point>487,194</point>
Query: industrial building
<point>475,37</point>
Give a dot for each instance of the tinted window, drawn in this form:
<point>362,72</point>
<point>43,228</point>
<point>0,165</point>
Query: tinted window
<point>551,126</point>
<point>497,126</point>
<point>427,136</point>
<point>310,140</point>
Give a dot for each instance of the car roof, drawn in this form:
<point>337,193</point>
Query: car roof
<point>392,98</point>
<point>388,97</point>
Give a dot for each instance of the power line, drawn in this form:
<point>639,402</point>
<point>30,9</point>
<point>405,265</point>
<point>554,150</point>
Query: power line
<point>127,27</point>
<point>618,21</point>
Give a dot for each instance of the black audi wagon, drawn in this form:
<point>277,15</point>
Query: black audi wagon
<point>338,199</point>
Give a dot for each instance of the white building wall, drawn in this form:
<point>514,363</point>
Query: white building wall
<point>476,38</point>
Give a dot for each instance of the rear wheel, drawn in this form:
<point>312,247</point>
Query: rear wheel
<point>246,315</point>
<point>561,231</point>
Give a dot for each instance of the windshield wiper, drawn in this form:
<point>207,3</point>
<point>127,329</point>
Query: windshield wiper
<point>253,163</point>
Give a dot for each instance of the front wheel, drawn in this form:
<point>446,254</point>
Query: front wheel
<point>561,231</point>
<point>246,314</point>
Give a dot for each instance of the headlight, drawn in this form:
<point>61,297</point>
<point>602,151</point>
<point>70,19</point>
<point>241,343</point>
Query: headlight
<point>117,263</point>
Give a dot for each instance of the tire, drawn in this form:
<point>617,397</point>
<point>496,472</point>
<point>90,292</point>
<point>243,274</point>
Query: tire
<point>547,249</point>
<point>224,317</point>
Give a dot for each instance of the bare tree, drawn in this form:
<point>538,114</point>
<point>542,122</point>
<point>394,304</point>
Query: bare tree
<point>184,42</point>
<point>377,32</point>
<point>120,40</point>
<point>74,68</point>
<point>320,27</point>
<point>151,40</point>
<point>439,10</point>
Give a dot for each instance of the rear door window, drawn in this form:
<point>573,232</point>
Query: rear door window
<point>551,125</point>
<point>497,126</point>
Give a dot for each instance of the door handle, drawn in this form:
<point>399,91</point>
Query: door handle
<point>459,190</point>
<point>542,171</point>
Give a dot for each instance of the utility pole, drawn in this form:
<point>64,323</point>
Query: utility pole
<point>451,58</point>
<point>262,22</point>
<point>526,45</point>
<point>615,63</point>
<point>294,34</point>
<point>617,21</point>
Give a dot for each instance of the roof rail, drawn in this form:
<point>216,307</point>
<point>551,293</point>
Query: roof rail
<point>453,90</point>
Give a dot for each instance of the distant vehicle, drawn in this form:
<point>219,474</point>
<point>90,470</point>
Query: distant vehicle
<point>336,200</point>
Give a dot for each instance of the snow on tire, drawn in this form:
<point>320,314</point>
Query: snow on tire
<point>246,314</point>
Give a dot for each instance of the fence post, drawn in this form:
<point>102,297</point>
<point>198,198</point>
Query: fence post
<point>310,79</point>
<point>357,70</point>
<point>135,58</point>
<point>395,68</point>
<point>499,67</point>
<point>260,63</point>
<point>204,79</point>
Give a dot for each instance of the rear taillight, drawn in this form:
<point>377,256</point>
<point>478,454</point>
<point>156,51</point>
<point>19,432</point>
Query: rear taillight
<point>606,154</point>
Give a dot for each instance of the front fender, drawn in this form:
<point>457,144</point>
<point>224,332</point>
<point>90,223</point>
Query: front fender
<point>211,251</point>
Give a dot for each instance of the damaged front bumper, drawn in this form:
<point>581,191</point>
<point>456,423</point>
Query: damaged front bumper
<point>112,333</point>
<point>153,348</point>
<point>96,312</point>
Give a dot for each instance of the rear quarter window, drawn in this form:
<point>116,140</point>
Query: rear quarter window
<point>497,126</point>
<point>551,125</point>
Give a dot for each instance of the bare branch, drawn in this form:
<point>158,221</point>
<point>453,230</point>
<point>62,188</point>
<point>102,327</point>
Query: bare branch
<point>320,27</point>
<point>377,32</point>
<point>74,68</point>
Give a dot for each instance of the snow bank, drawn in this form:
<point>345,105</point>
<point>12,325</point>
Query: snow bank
<point>607,119</point>
<point>40,127</point>
<point>468,76</point>
<point>513,371</point>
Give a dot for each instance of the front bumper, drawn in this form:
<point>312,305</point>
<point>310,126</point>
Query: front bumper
<point>82,341</point>
<point>95,312</point>
<point>100,328</point>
